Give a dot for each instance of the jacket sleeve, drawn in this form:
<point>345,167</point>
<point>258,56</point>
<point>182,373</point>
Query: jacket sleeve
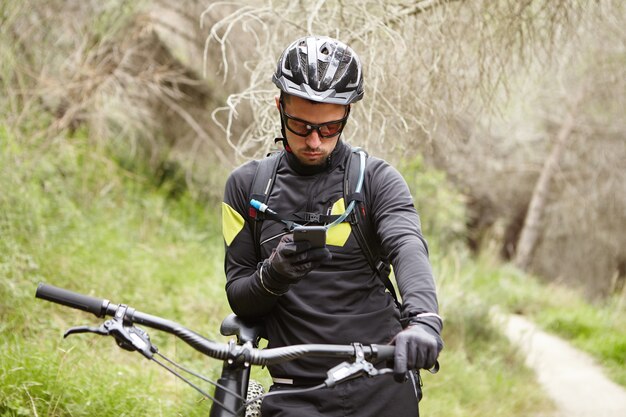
<point>398,227</point>
<point>246,295</point>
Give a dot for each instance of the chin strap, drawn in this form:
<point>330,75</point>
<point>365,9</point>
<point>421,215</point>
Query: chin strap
<point>284,136</point>
<point>284,142</point>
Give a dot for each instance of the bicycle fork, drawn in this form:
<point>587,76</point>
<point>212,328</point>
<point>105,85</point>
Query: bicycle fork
<point>234,378</point>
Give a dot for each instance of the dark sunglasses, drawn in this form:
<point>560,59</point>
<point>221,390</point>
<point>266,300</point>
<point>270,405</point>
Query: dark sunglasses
<point>303,128</point>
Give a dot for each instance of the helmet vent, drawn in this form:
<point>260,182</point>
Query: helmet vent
<point>321,69</point>
<point>303,63</point>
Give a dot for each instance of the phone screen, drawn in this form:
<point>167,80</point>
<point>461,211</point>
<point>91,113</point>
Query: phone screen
<point>315,235</point>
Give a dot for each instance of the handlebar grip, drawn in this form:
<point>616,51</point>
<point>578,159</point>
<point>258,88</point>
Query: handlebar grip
<point>385,352</point>
<point>97,306</point>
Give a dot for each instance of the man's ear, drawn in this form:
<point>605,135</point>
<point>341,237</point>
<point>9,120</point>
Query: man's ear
<point>277,98</point>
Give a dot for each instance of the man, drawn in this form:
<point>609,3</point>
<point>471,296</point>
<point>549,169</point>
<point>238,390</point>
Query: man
<point>330,294</point>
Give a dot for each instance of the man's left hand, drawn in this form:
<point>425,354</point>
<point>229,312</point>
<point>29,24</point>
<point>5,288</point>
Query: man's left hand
<point>416,348</point>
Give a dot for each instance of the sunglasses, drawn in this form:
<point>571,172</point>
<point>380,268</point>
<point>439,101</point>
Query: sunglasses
<point>303,128</point>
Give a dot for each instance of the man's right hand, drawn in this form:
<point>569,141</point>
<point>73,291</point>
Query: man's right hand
<point>290,262</point>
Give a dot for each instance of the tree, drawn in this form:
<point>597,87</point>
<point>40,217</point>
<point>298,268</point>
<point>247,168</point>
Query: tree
<point>531,230</point>
<point>477,87</point>
<point>425,61</point>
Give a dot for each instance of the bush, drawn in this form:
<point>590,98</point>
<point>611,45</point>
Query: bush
<point>440,205</point>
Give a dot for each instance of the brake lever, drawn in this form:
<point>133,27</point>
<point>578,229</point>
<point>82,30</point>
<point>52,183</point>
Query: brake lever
<point>350,370</point>
<point>129,338</point>
<point>86,329</point>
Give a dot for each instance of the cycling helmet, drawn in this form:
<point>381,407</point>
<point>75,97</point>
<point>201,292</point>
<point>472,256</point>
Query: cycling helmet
<point>321,69</point>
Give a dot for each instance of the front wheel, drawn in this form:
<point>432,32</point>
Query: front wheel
<point>255,389</point>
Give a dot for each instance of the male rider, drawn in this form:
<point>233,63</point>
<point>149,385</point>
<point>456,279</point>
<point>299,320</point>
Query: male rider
<point>330,294</point>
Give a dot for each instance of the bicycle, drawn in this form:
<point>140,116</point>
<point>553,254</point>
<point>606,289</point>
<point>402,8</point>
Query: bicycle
<point>230,397</point>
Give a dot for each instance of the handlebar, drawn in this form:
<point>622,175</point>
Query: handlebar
<point>71,299</point>
<point>222,351</point>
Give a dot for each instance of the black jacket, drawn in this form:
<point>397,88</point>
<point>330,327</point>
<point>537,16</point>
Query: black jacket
<point>343,301</point>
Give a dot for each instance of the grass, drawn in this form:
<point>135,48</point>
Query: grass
<point>36,384</point>
<point>598,328</point>
<point>72,216</point>
<point>477,362</point>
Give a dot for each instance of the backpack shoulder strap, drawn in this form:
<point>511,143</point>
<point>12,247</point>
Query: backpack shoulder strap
<point>362,225</point>
<point>360,220</point>
<point>260,190</point>
<point>264,176</point>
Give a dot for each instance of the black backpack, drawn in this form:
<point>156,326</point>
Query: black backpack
<point>359,217</point>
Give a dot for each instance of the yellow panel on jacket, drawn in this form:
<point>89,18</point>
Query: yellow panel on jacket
<point>338,235</point>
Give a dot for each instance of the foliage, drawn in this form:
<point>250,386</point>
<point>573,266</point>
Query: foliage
<point>70,216</point>
<point>477,87</point>
<point>101,67</point>
<point>440,205</point>
<point>498,157</point>
<point>74,217</point>
<point>110,168</point>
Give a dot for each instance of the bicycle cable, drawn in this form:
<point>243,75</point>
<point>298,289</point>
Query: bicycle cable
<point>194,386</point>
<point>285,392</point>
<point>298,391</point>
<point>202,377</point>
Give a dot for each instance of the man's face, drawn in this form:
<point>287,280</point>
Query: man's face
<point>312,149</point>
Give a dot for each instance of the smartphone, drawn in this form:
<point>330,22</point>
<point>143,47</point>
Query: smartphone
<point>315,235</point>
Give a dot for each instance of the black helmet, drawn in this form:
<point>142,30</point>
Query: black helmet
<point>320,69</point>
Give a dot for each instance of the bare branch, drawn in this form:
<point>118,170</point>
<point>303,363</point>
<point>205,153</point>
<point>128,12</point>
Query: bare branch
<point>403,12</point>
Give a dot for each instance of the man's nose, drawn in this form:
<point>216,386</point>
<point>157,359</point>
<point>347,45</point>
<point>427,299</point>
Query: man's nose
<point>314,140</point>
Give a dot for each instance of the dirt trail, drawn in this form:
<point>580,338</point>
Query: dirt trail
<point>576,384</point>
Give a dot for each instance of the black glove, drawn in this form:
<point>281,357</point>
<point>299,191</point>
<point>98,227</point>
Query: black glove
<point>416,348</point>
<point>290,262</point>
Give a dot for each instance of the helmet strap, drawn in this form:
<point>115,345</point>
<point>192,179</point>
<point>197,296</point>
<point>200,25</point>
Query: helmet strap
<point>284,142</point>
<point>282,139</point>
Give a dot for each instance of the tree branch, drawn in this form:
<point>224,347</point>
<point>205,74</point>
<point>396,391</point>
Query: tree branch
<point>421,6</point>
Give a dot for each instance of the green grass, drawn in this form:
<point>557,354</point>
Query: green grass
<point>598,328</point>
<point>71,217</point>
<point>69,381</point>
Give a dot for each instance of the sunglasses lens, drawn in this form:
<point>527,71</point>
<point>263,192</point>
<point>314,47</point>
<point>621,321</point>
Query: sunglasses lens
<point>297,127</point>
<point>331,129</point>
